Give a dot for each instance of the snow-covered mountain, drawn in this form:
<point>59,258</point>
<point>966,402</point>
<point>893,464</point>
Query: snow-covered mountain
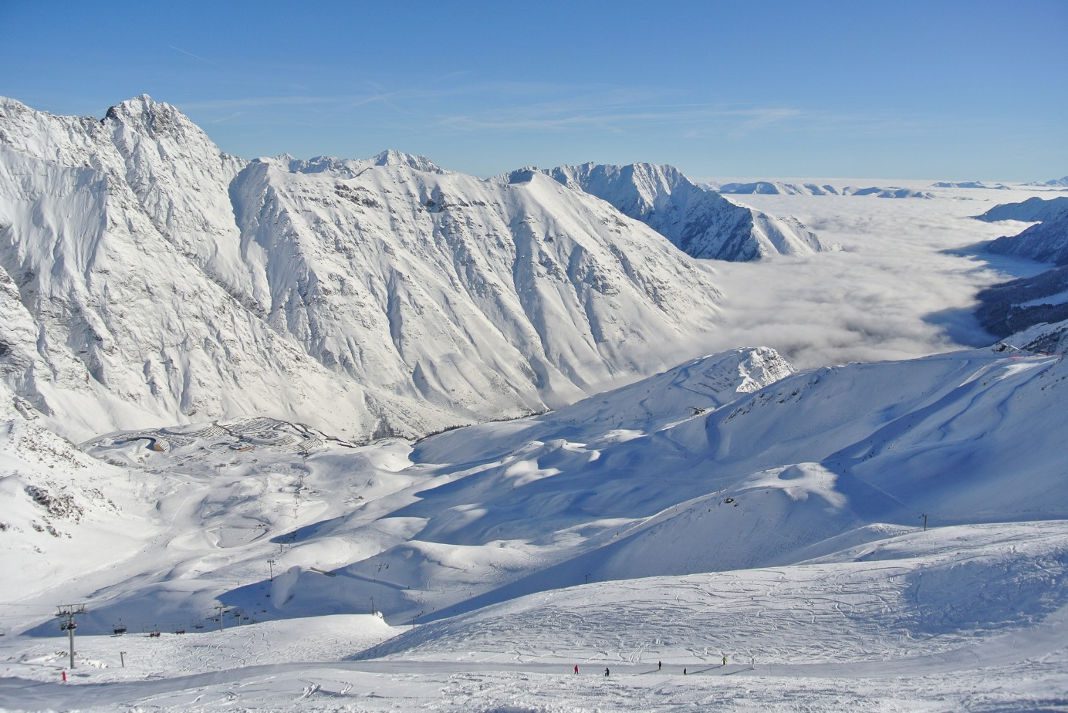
<point>1031,210</point>
<point>1053,183</point>
<point>350,168</point>
<point>697,220</point>
<point>1025,302</point>
<point>1020,304</point>
<point>1046,242</point>
<point>773,467</point>
<point>969,184</point>
<point>722,507</point>
<point>146,277</point>
<point>815,189</point>
<point>775,188</point>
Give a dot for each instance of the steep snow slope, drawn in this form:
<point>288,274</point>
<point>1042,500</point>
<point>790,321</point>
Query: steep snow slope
<point>699,221</point>
<point>152,279</point>
<point>1045,242</point>
<point>1045,338</point>
<point>551,293</point>
<point>62,509</point>
<point>627,485</point>
<point>1021,304</point>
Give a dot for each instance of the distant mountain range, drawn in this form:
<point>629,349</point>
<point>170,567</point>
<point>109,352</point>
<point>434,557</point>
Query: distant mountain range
<point>1031,210</point>
<point>815,189</point>
<point>969,184</point>
<point>1053,183</point>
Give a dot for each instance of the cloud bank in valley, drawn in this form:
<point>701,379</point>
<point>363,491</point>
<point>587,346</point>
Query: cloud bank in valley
<point>902,284</point>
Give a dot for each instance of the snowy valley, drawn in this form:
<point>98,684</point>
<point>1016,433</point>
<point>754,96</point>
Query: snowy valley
<point>370,435</point>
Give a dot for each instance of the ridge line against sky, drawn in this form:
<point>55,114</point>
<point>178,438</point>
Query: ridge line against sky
<point>945,89</point>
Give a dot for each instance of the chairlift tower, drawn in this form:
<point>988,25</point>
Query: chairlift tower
<point>67,613</point>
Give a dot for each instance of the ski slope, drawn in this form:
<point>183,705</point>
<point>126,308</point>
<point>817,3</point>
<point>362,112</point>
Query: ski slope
<point>930,620</point>
<point>728,506</point>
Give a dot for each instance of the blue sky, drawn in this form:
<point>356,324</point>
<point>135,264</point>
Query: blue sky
<point>934,89</point>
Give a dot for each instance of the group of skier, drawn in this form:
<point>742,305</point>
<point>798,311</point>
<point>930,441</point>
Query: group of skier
<point>660,667</point>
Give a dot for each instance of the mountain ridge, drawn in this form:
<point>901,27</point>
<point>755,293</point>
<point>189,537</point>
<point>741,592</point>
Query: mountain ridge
<point>172,282</point>
<point>698,221</point>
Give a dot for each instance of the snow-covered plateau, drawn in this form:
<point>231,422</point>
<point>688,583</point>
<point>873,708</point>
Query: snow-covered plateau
<point>369,435</point>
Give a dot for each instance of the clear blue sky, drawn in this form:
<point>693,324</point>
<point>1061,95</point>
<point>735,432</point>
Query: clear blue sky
<point>924,89</point>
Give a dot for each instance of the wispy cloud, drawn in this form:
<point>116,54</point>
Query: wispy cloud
<point>226,118</point>
<point>410,97</point>
<point>458,102</point>
<point>197,57</point>
<point>613,115</point>
<point>263,101</point>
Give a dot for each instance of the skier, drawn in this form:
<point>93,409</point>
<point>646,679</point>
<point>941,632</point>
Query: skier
<point>724,659</point>
<point>606,672</point>
<point>576,668</point>
<point>659,665</point>
<point>683,672</point>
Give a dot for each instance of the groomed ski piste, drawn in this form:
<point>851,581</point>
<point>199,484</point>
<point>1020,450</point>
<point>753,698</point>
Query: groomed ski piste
<point>889,626</point>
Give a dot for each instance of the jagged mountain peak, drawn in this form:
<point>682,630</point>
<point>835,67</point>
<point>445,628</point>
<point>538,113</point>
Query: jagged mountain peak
<point>648,179</point>
<point>695,219</point>
<point>352,167</point>
<point>155,117</point>
<point>11,104</point>
<point>173,283</point>
<point>392,157</point>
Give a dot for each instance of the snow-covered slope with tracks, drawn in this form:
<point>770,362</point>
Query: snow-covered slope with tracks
<point>724,507</point>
